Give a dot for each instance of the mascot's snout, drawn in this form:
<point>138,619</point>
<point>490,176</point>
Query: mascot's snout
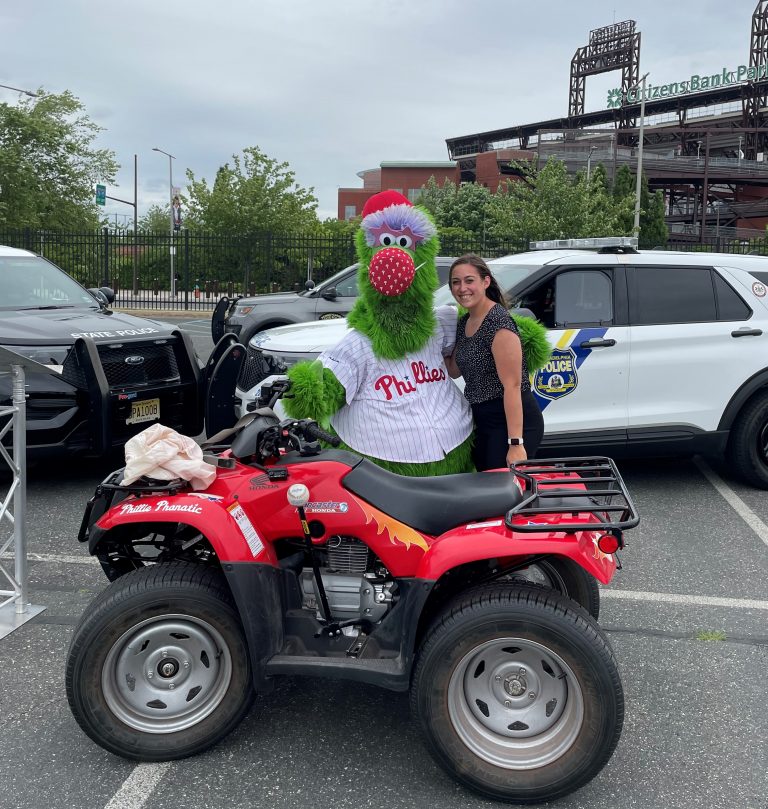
<point>391,271</point>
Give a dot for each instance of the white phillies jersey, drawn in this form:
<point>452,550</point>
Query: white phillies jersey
<point>406,410</point>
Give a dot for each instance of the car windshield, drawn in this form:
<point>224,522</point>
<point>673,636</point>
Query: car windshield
<point>329,282</point>
<point>508,276</point>
<point>29,282</point>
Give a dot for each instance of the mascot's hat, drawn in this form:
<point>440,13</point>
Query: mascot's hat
<point>391,211</point>
<point>384,199</point>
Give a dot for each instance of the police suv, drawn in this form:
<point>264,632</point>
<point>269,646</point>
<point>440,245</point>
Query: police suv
<point>654,353</point>
<point>101,376</point>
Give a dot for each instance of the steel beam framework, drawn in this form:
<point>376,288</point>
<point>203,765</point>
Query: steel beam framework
<point>15,609</point>
<point>614,47</point>
<point>756,93</point>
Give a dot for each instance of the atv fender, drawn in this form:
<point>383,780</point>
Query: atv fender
<point>462,546</point>
<point>231,534</point>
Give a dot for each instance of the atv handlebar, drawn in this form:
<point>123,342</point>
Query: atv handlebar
<point>313,430</point>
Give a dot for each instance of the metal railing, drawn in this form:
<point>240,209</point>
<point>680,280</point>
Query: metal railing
<point>208,267</point>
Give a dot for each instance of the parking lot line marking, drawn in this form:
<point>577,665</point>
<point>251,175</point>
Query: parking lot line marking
<point>733,500</point>
<point>56,558</point>
<point>138,786</point>
<point>687,600</point>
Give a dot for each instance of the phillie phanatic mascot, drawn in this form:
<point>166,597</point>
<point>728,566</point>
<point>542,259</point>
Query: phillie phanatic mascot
<point>384,388</point>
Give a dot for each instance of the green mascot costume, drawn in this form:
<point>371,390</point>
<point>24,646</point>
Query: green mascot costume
<point>384,388</point>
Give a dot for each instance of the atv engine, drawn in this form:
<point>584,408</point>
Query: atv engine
<point>357,585</point>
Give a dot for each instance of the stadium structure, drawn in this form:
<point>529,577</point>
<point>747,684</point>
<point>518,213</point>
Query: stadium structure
<point>705,137</point>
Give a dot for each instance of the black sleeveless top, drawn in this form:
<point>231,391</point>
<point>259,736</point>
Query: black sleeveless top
<point>475,360</point>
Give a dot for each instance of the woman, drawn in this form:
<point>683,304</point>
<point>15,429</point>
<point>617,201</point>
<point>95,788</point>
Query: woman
<point>488,354</point>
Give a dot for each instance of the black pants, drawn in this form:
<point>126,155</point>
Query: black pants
<point>490,451</point>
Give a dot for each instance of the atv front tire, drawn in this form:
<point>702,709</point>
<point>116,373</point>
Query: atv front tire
<point>158,667</point>
<point>518,694</point>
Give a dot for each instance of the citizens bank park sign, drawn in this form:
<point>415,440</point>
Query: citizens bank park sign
<point>693,84</point>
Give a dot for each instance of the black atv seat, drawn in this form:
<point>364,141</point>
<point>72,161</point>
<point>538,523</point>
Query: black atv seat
<point>434,505</point>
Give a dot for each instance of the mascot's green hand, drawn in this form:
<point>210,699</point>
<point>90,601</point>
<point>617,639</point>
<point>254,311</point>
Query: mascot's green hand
<point>315,393</point>
<point>533,339</point>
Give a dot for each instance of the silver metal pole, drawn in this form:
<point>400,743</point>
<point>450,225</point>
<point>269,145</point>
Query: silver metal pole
<point>20,495</point>
<point>638,185</point>
<point>170,210</point>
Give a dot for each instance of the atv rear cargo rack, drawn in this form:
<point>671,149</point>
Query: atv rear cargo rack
<point>605,496</point>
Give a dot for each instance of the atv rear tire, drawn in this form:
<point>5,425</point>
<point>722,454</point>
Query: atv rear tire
<point>518,694</point>
<point>748,443</point>
<point>158,667</point>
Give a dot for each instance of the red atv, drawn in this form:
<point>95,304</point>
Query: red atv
<point>476,592</point>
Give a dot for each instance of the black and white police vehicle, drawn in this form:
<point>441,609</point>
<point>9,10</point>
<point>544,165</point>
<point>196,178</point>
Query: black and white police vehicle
<point>654,352</point>
<point>107,375</point>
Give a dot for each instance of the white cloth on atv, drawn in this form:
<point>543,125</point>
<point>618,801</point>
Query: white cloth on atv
<point>406,410</point>
<point>161,453</point>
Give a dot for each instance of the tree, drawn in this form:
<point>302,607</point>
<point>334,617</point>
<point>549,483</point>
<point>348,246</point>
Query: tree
<point>157,219</point>
<point>653,227</point>
<point>48,165</point>
<point>548,204</point>
<point>255,193</point>
<point>459,211</point>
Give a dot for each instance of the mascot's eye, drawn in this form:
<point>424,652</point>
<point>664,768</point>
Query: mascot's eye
<point>387,239</point>
<point>404,241</point>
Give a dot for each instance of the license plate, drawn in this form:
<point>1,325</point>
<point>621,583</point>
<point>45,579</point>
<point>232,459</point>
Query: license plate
<point>146,410</point>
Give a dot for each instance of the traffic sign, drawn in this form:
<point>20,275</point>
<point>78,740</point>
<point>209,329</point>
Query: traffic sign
<point>101,194</point>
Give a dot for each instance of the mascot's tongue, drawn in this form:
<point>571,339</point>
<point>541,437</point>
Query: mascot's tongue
<point>391,271</point>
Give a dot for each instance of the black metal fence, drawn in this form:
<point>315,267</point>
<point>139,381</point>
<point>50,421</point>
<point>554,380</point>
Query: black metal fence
<point>193,271</point>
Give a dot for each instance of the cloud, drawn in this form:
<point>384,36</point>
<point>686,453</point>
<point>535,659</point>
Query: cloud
<point>334,87</point>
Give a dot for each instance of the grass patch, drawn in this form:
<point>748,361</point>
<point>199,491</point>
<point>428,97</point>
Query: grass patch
<point>711,634</point>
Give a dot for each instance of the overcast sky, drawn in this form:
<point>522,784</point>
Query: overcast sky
<point>332,86</point>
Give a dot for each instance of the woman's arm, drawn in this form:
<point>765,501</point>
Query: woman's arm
<point>451,366</point>
<point>508,357</point>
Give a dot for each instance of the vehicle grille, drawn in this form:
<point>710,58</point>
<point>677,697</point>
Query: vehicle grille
<point>158,365</point>
<point>257,366</point>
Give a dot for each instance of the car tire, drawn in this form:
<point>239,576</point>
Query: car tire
<point>518,694</point>
<point>158,667</point>
<point>748,443</point>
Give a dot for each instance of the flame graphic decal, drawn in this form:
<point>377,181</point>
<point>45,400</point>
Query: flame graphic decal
<point>398,531</point>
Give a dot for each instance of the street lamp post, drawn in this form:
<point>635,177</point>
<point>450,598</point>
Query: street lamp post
<point>741,139</point>
<point>171,158</point>
<point>19,90</point>
<point>592,150</point>
<point>639,183</point>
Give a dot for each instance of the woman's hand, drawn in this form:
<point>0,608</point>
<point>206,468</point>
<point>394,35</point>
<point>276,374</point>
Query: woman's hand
<point>516,453</point>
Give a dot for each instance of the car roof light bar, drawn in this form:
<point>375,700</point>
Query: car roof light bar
<point>586,244</point>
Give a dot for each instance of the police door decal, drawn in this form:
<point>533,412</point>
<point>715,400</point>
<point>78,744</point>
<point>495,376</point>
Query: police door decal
<point>559,376</point>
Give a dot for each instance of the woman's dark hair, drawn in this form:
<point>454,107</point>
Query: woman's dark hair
<point>494,290</point>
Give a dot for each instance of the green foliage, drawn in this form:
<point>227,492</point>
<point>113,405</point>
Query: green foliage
<point>157,219</point>
<point>48,165</point>
<point>548,204</point>
<point>653,226</point>
<point>459,211</point>
<point>599,177</point>
<point>255,193</point>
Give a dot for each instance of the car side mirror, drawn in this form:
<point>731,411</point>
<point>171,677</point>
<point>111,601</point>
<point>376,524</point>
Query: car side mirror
<point>104,295</point>
<point>330,294</point>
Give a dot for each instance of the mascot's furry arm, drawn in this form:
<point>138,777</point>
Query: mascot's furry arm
<point>315,393</point>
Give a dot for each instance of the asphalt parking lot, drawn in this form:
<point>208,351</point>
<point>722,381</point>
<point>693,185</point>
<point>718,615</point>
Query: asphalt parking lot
<point>688,618</point>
